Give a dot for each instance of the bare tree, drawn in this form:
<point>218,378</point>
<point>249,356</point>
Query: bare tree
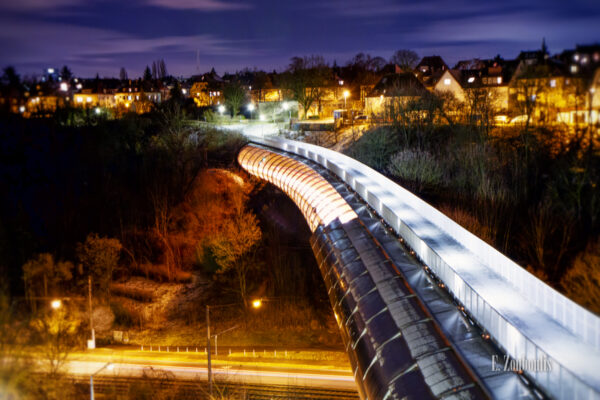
<point>123,74</point>
<point>58,333</point>
<point>162,69</point>
<point>42,273</point>
<point>233,247</point>
<point>235,96</point>
<point>154,70</point>
<point>305,78</point>
<point>405,59</point>
<point>99,255</point>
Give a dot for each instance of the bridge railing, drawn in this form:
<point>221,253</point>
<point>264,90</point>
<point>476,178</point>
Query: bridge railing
<point>527,318</point>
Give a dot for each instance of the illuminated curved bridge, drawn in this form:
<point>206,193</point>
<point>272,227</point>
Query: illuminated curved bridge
<point>426,309</point>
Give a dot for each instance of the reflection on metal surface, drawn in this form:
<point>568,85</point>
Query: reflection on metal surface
<point>395,348</point>
<point>523,315</point>
<point>319,202</point>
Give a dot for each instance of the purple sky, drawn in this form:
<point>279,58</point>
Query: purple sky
<point>101,36</point>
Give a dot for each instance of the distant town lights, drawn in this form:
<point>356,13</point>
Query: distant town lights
<point>50,70</point>
<point>64,87</point>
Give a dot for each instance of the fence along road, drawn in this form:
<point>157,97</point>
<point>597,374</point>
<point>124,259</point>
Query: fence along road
<point>528,319</point>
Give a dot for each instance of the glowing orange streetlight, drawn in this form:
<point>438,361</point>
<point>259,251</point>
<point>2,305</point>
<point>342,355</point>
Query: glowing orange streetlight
<point>56,304</point>
<point>257,303</point>
<point>346,95</point>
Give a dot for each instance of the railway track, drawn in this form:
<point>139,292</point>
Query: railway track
<point>124,387</point>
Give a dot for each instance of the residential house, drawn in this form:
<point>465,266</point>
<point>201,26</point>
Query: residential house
<point>430,69</point>
<point>491,76</point>
<point>393,89</point>
<point>207,89</point>
<point>93,98</point>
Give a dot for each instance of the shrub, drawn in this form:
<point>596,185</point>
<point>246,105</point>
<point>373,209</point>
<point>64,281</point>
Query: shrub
<point>582,281</point>
<point>419,168</point>
<point>375,148</point>
<point>124,316</point>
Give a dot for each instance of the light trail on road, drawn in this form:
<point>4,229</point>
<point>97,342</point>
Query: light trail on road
<point>228,373</point>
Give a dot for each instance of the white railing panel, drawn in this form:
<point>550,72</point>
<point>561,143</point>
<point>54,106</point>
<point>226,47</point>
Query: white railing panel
<point>522,314</point>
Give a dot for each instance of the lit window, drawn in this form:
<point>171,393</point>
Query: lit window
<point>596,56</point>
<point>447,81</point>
<point>553,83</point>
<point>470,80</point>
<point>89,99</point>
<point>341,83</point>
<point>137,97</point>
<point>499,80</point>
<point>129,97</point>
<point>80,100</point>
<point>576,57</point>
<point>574,69</point>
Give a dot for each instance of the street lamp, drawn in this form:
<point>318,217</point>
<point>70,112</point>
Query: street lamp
<point>56,304</point>
<point>257,303</point>
<point>221,109</point>
<point>109,366</point>
<point>209,363</point>
<point>346,94</point>
<point>251,109</point>
<point>286,106</point>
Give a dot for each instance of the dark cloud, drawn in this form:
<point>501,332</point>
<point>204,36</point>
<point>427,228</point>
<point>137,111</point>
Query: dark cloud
<point>203,5</point>
<point>103,35</point>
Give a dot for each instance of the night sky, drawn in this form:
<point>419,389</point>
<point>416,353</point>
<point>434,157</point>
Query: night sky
<point>101,36</point>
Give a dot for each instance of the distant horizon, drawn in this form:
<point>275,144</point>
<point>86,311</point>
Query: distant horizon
<point>450,61</point>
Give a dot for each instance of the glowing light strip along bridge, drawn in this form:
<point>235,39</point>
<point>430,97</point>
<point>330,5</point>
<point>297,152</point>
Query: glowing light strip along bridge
<point>526,318</point>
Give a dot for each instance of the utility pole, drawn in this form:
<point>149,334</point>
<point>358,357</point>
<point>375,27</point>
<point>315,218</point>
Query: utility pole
<point>208,350</point>
<point>92,342</point>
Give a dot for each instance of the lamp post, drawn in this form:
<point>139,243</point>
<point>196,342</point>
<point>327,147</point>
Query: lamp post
<point>286,106</point>
<point>108,366</point>
<point>251,108</point>
<point>255,304</point>
<point>221,109</point>
<point>92,341</point>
